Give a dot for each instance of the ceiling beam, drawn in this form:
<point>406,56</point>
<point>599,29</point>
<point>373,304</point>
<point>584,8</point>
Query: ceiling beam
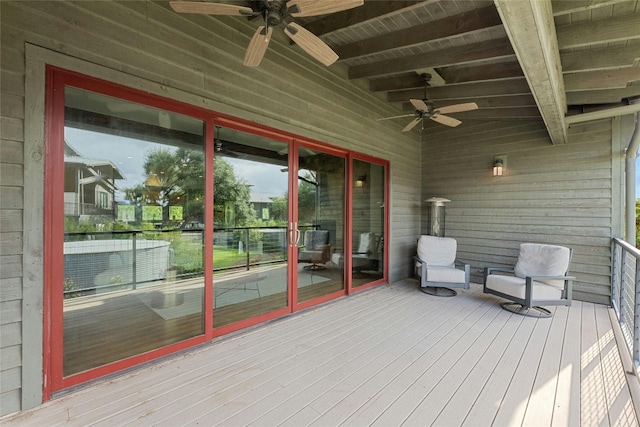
<point>601,59</point>
<point>603,114</point>
<point>476,52</point>
<point>500,113</point>
<point>515,86</point>
<point>617,28</point>
<point>601,79</point>
<point>396,82</point>
<point>467,22</point>
<point>565,7</point>
<point>370,10</point>
<point>497,102</point>
<point>472,73</point>
<point>602,96</point>
<point>530,28</point>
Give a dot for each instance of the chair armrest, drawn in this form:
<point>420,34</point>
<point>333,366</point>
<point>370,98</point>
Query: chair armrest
<point>461,262</point>
<point>489,270</point>
<point>552,277</point>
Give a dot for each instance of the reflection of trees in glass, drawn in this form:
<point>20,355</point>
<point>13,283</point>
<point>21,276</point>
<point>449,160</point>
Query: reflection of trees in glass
<point>173,178</point>
<point>307,188</point>
<point>161,169</point>
<point>228,188</point>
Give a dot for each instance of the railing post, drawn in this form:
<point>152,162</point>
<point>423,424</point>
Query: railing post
<point>246,246</point>
<point>636,319</point>
<point>134,261</point>
<point>623,273</point>
<point>615,275</point>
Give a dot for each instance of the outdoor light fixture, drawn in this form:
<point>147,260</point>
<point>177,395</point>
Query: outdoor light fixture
<point>499,165</point>
<point>361,181</point>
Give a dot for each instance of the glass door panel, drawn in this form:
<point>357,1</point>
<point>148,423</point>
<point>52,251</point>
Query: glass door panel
<point>368,202</point>
<point>251,203</point>
<point>133,229</point>
<point>321,213</point>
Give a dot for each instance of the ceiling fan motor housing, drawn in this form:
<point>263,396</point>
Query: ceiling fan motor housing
<point>274,13</point>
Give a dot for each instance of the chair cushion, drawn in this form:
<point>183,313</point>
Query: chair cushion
<point>313,239</point>
<point>437,251</point>
<point>367,243</point>
<point>543,260</point>
<point>515,286</point>
<point>442,274</point>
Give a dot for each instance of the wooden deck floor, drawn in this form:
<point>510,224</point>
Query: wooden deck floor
<point>388,356</point>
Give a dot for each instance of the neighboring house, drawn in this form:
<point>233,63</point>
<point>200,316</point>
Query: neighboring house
<point>92,197</point>
<point>262,203</point>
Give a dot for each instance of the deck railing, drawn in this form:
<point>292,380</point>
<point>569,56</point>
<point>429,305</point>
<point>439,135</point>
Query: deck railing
<point>177,252</point>
<point>625,294</point>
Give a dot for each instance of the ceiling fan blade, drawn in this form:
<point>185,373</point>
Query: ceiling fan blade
<point>210,8</point>
<point>395,117</point>
<point>445,120</point>
<point>311,43</point>
<point>300,8</point>
<point>412,124</point>
<point>257,46</point>
<point>458,108</point>
<point>419,104</point>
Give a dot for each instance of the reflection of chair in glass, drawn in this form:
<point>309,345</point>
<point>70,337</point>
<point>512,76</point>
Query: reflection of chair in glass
<point>538,278</point>
<point>364,257</point>
<point>436,266</point>
<point>315,249</point>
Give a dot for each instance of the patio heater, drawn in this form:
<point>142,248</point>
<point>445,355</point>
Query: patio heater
<point>436,214</point>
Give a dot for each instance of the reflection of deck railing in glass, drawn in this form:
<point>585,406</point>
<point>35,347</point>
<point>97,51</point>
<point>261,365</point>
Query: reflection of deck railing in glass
<point>106,261</point>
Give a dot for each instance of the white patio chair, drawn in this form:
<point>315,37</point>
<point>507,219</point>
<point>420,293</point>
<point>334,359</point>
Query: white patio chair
<point>436,266</point>
<point>539,278</point>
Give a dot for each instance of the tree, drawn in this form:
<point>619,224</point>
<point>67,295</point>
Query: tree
<point>161,169</point>
<point>178,179</point>
<point>231,191</point>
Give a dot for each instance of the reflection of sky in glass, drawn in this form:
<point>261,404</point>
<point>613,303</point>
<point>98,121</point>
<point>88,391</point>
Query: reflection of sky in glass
<point>263,178</point>
<point>129,154</point>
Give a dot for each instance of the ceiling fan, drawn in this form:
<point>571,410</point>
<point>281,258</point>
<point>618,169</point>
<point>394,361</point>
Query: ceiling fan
<point>275,12</point>
<point>427,109</point>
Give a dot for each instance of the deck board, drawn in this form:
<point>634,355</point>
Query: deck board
<point>387,356</point>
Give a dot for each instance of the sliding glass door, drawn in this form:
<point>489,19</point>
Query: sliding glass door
<point>368,222</point>
<point>167,225</point>
<point>133,213</point>
<point>320,224</point>
<point>251,219</point>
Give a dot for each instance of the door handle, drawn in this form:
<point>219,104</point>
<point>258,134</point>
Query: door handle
<point>293,231</point>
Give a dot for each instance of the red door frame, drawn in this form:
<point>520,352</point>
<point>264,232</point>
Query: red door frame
<point>56,80</point>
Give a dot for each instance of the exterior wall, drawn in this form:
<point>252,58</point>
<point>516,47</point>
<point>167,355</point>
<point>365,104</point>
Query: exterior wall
<point>193,59</point>
<point>559,194</point>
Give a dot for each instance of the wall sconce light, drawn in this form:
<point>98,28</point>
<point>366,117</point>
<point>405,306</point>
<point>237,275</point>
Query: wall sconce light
<point>362,179</point>
<point>499,165</point>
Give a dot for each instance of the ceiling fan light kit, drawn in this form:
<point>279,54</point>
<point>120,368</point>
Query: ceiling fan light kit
<point>274,13</point>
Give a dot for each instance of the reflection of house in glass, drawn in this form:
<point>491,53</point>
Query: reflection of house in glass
<point>262,203</point>
<point>89,186</point>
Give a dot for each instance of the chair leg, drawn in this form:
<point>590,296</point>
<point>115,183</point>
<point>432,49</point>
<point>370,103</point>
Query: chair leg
<point>537,312</point>
<point>438,291</point>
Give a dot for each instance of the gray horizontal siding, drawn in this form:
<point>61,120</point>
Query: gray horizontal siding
<point>560,194</point>
<point>193,59</point>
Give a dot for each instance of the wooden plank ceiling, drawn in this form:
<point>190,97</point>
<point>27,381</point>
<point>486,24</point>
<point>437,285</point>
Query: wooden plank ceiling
<point>578,56</point>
